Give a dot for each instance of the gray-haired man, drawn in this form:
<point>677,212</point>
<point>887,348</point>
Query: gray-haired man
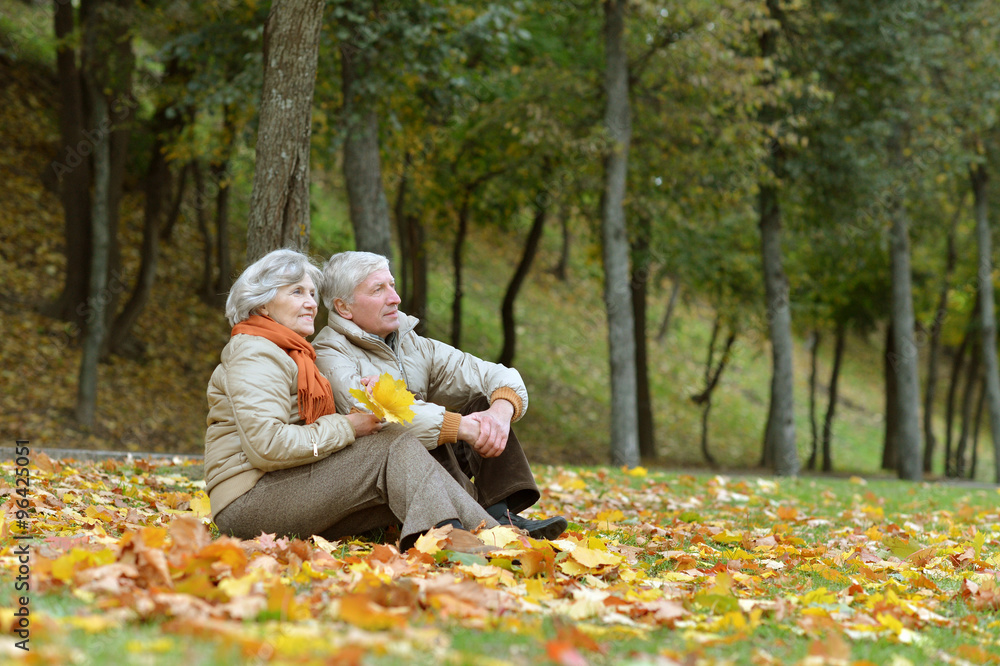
<point>465,405</point>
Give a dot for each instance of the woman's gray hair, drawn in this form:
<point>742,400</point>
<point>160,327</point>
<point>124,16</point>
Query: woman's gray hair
<point>344,271</point>
<point>260,282</point>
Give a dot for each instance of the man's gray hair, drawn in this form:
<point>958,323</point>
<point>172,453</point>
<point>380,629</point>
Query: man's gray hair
<point>344,271</point>
<point>260,282</point>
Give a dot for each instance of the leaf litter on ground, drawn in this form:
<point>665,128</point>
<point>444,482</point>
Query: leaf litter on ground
<point>695,562</point>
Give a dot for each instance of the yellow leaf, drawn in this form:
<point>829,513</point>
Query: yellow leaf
<point>637,471</point>
<point>977,543</point>
<point>389,399</point>
<point>594,559</point>
<point>499,536</point>
<point>818,596</point>
<point>200,505</point>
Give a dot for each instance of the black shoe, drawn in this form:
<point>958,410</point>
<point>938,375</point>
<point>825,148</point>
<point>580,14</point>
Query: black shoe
<point>548,528</point>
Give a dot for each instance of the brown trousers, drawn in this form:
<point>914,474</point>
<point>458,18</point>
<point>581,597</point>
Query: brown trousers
<point>507,477</point>
<point>380,480</point>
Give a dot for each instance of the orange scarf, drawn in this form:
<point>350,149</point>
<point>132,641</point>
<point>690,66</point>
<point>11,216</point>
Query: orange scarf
<point>315,394</point>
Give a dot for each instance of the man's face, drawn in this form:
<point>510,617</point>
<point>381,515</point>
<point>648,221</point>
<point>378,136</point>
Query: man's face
<point>375,305</point>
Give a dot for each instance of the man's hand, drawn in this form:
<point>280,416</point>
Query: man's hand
<point>487,431</point>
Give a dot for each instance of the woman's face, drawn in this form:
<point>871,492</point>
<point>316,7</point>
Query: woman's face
<point>294,306</point>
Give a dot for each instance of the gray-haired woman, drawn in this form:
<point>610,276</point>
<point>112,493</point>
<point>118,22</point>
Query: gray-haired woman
<point>278,457</point>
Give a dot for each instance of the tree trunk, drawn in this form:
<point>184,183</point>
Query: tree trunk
<point>641,266</point>
<point>668,316</point>
<point>906,358</point>
<point>157,187</point>
<point>831,409</point>
<point>86,399</point>
<point>279,202</point>
<point>176,203</point>
<point>520,274</point>
<point>814,340</point>
<point>208,243</point>
<point>617,296</point>
<point>779,439</point>
<point>988,324</point>
<point>456,263</point>
<point>712,375</point>
<point>972,377</point>
<point>957,365</point>
<point>934,344</point>
<point>562,265</point>
<point>890,444</point>
<point>223,256</point>
<point>418,274</point>
<point>73,171</point>
<point>405,266</point>
<point>369,208</point>
<point>974,466</point>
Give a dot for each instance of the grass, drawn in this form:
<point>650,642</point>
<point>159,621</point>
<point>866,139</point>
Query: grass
<point>820,524</point>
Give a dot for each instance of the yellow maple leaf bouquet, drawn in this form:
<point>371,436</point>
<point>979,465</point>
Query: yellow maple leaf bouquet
<point>388,399</point>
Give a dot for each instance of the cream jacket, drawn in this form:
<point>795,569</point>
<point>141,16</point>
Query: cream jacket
<point>442,378</point>
<point>253,420</point>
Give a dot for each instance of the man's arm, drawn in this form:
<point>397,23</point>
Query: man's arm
<point>455,377</point>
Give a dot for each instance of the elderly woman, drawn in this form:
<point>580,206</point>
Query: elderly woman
<point>278,457</point>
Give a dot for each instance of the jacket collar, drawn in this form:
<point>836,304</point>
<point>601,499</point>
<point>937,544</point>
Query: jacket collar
<point>359,337</point>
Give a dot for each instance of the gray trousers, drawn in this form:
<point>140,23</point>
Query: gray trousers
<point>382,479</point>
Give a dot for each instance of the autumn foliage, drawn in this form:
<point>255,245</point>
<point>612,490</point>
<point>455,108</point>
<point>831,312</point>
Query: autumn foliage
<point>683,567</point>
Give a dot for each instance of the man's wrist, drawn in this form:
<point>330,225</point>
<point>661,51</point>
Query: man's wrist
<point>503,408</point>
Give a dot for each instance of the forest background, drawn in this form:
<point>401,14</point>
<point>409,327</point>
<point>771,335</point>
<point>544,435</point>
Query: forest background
<point>807,214</point>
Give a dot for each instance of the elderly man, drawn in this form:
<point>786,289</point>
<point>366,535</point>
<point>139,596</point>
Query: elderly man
<point>464,405</point>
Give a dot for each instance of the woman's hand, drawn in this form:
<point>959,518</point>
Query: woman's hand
<point>364,423</point>
<point>369,383</point>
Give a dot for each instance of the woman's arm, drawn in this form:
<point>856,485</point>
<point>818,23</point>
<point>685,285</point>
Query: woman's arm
<point>261,383</point>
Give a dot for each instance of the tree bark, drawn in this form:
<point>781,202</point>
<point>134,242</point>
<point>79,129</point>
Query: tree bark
<point>456,263</point>
<point>641,266</point>
<point>779,440</point>
<point>972,378</point>
<point>86,398</point>
<point>73,171</point>
<point>157,187</point>
<point>223,260</point>
<point>988,326</point>
<point>831,409</point>
<point>166,233</point>
<point>279,202</point>
<point>514,287</point>
<point>713,374</point>
<point>890,444</point>
<point>934,344</point>
<point>617,296</point>
<point>814,340</point>
<point>369,207</point>
<point>668,316</point>
<point>957,364</point>
<point>906,357</point>
<point>208,243</point>
<point>977,424</point>
<point>418,273</point>
<point>562,264</point>
<point>405,266</point>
